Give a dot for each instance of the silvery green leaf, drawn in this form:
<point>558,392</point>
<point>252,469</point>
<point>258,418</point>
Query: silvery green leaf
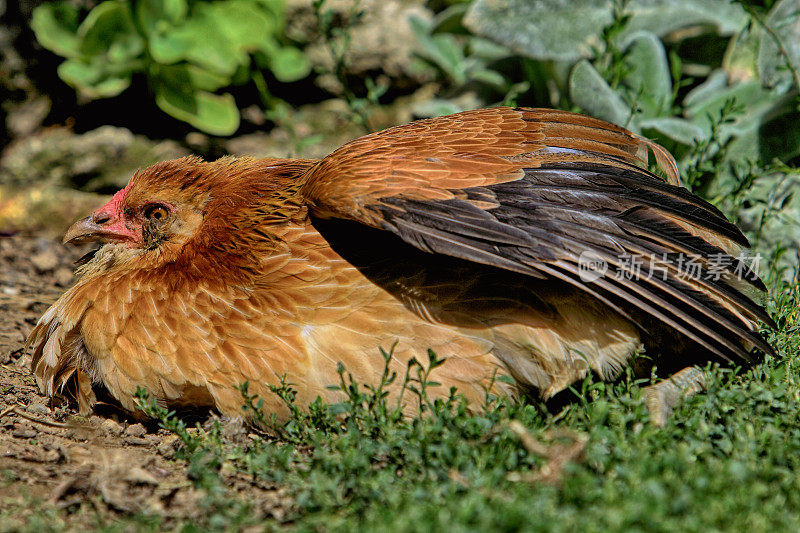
<point>567,30</point>
<point>649,76</point>
<point>589,90</point>
<point>677,129</point>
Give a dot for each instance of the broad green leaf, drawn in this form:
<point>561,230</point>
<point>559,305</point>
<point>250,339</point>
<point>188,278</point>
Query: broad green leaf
<point>212,113</point>
<point>55,25</point>
<point>289,64</point>
<point>168,48</point>
<point>649,75</point>
<point>677,129</point>
<point>755,99</point>
<point>276,8</point>
<point>244,23</point>
<point>567,30</point>
<point>109,30</point>
<point>219,35</point>
<point>107,88</point>
<point>205,46</point>
<point>784,20</point>
<point>190,75</point>
<point>242,75</point>
<point>589,90</point>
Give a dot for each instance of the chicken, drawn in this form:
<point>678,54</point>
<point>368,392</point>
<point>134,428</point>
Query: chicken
<point>466,234</point>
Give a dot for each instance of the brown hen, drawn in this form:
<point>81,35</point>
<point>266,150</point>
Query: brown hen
<point>465,234</point>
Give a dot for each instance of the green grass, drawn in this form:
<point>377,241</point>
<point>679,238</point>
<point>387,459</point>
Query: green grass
<point>727,459</point>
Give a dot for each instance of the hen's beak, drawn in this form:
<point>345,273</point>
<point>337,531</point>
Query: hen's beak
<point>97,228</point>
<point>84,230</point>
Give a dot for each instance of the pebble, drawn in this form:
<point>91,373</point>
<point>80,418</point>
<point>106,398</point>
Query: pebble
<point>168,446</point>
<point>63,276</point>
<point>23,432</point>
<point>135,430</point>
<point>111,427</point>
<point>135,441</point>
<point>10,291</point>
<point>140,476</point>
<point>38,409</point>
<point>45,260</point>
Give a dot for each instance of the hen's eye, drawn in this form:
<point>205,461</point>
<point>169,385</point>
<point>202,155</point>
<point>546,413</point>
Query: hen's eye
<point>156,213</point>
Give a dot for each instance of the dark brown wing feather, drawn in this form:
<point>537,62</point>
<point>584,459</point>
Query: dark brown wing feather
<point>530,191</point>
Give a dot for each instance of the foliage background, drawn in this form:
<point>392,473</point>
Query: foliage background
<point>93,90</point>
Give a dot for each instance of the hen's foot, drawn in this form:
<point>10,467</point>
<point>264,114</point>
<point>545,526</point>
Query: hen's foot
<point>665,395</point>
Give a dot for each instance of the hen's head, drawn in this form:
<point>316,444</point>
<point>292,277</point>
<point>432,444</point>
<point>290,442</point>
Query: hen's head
<point>173,201</point>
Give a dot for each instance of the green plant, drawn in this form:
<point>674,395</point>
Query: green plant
<point>464,63</point>
<point>337,41</point>
<point>186,50</point>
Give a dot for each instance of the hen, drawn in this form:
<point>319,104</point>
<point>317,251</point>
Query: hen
<point>468,234</point>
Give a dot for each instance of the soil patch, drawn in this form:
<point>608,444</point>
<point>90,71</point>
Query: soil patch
<point>92,470</point>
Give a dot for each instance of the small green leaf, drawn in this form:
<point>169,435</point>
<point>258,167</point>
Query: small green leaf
<point>289,64</point>
<point>55,25</point>
<point>589,90</point>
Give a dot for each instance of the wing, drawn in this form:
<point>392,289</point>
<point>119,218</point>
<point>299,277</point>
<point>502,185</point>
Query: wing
<point>539,191</point>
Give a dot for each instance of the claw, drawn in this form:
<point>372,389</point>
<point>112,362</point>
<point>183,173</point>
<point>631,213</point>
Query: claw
<point>665,395</point>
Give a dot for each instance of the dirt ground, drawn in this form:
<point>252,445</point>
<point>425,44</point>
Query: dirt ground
<point>51,459</point>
